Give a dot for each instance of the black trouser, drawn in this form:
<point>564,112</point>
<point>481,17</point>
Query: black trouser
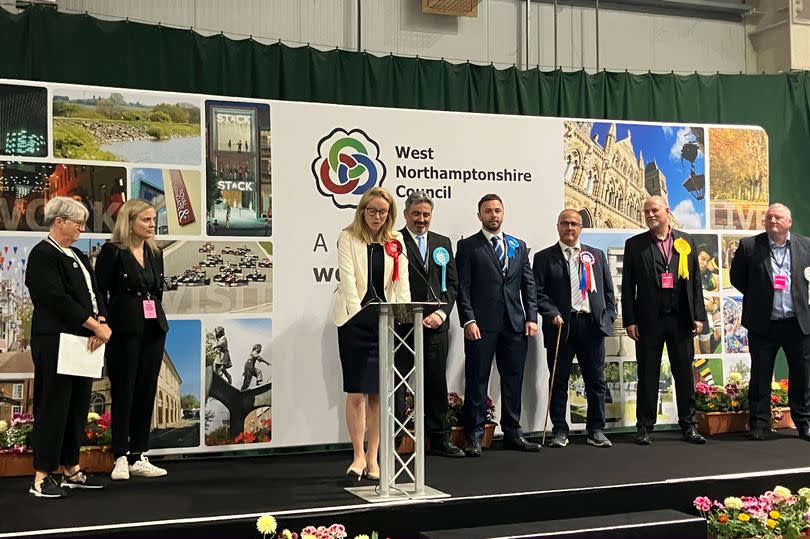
<point>671,329</point>
<point>588,344</point>
<point>133,366</point>
<point>61,404</point>
<point>788,335</point>
<point>435,345</point>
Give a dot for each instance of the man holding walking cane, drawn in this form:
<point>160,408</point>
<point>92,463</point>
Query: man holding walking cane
<point>576,301</point>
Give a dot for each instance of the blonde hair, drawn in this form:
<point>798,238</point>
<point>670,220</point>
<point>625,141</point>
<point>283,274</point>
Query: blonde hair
<point>122,232</point>
<point>360,230</point>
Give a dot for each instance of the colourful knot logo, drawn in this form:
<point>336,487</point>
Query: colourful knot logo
<point>347,166</point>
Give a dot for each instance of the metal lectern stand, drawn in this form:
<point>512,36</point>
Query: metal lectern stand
<point>392,464</point>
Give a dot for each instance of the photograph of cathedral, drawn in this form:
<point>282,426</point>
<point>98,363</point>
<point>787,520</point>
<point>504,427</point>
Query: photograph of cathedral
<point>612,168</point>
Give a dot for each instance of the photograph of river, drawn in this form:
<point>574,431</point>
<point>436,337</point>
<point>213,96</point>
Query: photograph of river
<point>125,126</point>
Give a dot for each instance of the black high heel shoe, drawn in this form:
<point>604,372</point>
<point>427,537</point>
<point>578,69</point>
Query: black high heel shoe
<point>370,476</point>
<point>353,475</point>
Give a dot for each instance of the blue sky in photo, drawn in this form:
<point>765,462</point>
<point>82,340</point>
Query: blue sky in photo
<point>152,176</point>
<point>603,241</point>
<point>185,350</point>
<point>663,144</point>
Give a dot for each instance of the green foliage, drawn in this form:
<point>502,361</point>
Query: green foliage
<point>211,353</point>
<point>65,108</point>
<point>158,116</point>
<point>73,141</point>
<point>158,132</point>
<point>176,113</point>
<point>189,402</point>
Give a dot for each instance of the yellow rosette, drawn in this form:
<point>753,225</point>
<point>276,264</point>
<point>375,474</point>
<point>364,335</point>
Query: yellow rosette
<point>683,248</point>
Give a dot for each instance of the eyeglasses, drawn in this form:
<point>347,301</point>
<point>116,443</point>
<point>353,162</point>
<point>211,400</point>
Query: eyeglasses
<point>572,224</point>
<point>79,224</point>
<point>374,212</point>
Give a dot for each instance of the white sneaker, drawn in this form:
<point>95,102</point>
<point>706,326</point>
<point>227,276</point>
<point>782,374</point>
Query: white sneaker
<point>144,468</point>
<point>121,470</point>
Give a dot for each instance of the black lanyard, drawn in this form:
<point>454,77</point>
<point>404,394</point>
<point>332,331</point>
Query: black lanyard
<point>784,256</point>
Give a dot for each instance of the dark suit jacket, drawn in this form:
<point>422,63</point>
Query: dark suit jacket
<point>641,284</point>
<point>752,274</point>
<point>554,290</point>
<point>59,291</point>
<point>484,292</point>
<point>117,274</point>
<point>417,274</point>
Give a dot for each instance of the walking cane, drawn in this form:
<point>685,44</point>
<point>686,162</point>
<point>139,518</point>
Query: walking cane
<point>551,383</point>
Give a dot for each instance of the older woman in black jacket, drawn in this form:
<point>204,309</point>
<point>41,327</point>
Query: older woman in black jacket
<point>130,277</point>
<point>66,299</point>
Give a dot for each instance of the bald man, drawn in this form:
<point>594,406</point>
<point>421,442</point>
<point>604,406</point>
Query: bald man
<point>582,316</point>
<point>772,271</point>
<point>662,303</point>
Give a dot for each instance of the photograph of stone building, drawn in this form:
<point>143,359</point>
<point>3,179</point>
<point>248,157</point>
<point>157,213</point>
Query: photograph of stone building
<point>610,169</point>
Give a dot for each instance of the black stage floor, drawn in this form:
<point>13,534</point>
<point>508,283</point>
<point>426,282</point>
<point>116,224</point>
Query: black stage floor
<point>222,497</point>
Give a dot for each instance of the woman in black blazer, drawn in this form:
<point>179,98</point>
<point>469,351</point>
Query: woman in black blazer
<point>130,276</point>
<point>66,299</point>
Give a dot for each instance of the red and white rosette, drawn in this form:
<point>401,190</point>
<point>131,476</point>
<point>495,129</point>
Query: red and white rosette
<point>587,283</point>
<point>393,248</point>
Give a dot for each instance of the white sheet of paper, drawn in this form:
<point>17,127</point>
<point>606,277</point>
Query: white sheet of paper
<point>74,359</point>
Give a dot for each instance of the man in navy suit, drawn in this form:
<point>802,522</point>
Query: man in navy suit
<point>582,316</point>
<point>497,307</point>
<point>772,271</point>
<point>662,303</point>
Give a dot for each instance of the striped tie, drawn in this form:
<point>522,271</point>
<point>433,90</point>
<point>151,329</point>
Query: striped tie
<point>499,253</point>
<point>573,273</point>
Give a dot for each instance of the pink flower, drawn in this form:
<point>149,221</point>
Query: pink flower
<point>702,503</point>
<point>732,389</point>
<point>703,388</point>
<point>309,530</point>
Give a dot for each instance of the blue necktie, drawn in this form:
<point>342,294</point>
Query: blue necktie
<point>420,243</point>
<point>496,243</point>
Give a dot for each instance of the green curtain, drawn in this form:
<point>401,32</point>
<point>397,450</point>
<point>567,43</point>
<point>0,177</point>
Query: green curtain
<point>43,44</point>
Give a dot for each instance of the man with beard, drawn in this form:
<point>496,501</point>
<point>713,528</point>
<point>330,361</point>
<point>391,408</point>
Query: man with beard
<point>497,307</point>
<point>772,270</point>
<point>426,280</point>
<point>662,303</point>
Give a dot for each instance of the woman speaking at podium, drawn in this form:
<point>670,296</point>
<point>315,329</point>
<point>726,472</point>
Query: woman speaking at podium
<point>373,269</point>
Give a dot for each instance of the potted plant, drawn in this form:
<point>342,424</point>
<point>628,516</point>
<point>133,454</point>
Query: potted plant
<point>777,513</point>
<point>722,408</point>
<point>455,409</point>
<point>15,457</point>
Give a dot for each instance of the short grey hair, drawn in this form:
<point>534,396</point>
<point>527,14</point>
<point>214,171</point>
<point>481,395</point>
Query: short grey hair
<point>417,197</point>
<point>66,208</point>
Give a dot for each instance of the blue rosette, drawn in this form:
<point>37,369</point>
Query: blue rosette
<point>511,245</point>
<point>441,257</point>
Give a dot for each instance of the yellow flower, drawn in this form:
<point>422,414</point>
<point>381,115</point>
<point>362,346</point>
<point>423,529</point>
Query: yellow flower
<point>774,514</point>
<point>782,492</point>
<point>710,405</point>
<point>734,403</point>
<point>286,534</point>
<point>3,426</point>
<point>775,386</point>
<point>307,536</point>
<point>266,524</point>
<point>735,377</point>
<point>364,536</point>
<point>744,517</point>
<point>771,523</point>
<point>804,492</point>
<point>92,416</point>
<point>733,503</point>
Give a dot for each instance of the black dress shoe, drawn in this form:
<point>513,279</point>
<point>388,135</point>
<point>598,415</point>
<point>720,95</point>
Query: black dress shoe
<point>473,449</point>
<point>692,436</point>
<point>642,438</point>
<point>804,433</point>
<point>446,449</point>
<point>758,434</point>
<point>520,444</point>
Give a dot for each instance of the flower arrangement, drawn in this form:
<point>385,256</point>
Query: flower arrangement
<point>779,399</point>
<point>455,408</point>
<point>268,527</point>
<point>97,430</point>
<point>14,438</point>
<point>733,397</point>
<point>222,436</point>
<point>776,513</point>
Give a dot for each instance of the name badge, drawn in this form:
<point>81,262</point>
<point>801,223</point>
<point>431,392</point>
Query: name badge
<point>779,282</point>
<point>149,308</point>
<point>667,280</point>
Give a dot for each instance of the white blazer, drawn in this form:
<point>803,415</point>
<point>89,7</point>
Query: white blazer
<point>353,264</point>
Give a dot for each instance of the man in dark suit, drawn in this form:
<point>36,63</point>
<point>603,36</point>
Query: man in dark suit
<point>772,271</point>
<point>425,278</point>
<point>497,307</point>
<point>662,303</point>
<point>584,316</point>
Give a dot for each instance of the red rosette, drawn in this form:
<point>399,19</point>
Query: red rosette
<point>393,248</point>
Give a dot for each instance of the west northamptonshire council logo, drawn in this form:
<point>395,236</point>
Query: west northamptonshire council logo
<point>347,166</point>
